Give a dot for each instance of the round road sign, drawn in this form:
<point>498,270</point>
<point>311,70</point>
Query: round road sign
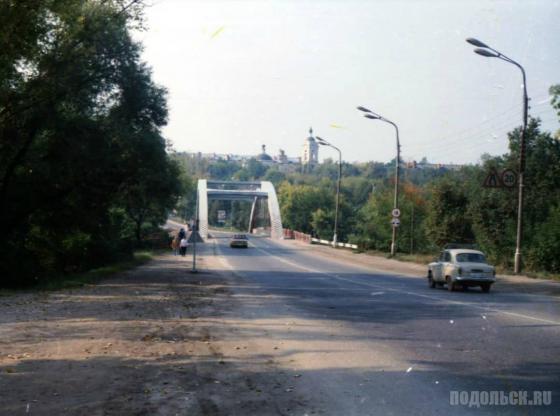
<point>509,178</point>
<point>396,213</point>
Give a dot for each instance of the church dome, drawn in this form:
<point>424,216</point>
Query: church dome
<point>264,156</point>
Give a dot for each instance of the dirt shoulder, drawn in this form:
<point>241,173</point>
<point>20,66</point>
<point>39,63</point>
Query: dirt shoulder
<point>156,340</point>
<point>504,282</point>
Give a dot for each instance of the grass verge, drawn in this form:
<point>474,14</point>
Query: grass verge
<point>92,276</point>
<point>425,259</point>
<point>410,258</point>
<point>95,275</point>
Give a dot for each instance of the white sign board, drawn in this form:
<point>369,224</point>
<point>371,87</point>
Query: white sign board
<point>396,222</point>
<point>221,215</point>
<point>396,213</point>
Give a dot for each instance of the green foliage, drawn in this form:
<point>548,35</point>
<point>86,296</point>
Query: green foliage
<point>255,169</point>
<point>223,170</point>
<point>438,205</point>
<point>81,155</point>
<point>299,202</point>
<point>447,220</point>
<point>554,92</point>
<point>374,229</point>
<point>322,221</point>
<point>545,247</point>
<point>274,176</point>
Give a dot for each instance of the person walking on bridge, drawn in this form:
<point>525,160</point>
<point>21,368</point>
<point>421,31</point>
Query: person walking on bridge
<point>183,245</point>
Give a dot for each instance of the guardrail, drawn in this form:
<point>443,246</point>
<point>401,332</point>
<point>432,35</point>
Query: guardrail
<point>296,235</point>
<point>330,243</point>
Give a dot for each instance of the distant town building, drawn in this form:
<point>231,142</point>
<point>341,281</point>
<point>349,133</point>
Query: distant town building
<point>282,158</point>
<point>425,165</point>
<point>310,156</point>
<point>282,162</point>
<point>264,158</point>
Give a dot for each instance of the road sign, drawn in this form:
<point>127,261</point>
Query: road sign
<point>396,222</point>
<point>221,215</point>
<point>396,213</point>
<point>509,178</point>
<point>492,180</point>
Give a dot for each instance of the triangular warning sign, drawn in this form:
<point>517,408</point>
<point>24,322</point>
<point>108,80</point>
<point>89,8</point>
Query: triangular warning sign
<point>492,180</point>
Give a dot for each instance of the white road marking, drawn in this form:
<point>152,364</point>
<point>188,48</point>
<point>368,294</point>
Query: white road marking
<point>406,292</point>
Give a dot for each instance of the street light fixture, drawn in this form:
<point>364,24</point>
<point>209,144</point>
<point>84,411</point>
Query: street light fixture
<point>487,51</point>
<point>374,116</point>
<point>323,142</point>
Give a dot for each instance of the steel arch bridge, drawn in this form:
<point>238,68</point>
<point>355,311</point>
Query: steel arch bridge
<point>230,190</point>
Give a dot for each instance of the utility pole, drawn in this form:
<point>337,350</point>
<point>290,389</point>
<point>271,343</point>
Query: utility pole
<point>374,116</point>
<point>488,52</point>
<point>323,142</point>
<point>412,229</point>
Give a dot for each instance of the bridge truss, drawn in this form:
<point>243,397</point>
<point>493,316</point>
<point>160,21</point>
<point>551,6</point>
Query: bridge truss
<point>241,191</point>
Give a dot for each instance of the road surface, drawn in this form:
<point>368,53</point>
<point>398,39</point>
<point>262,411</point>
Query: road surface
<point>280,328</point>
<point>366,342</point>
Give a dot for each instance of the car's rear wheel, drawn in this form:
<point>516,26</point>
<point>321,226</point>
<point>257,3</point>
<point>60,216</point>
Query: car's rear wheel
<point>450,284</point>
<point>485,287</point>
<point>431,281</point>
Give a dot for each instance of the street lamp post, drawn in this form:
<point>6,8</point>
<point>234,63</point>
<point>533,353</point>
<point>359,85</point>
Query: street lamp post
<point>374,116</point>
<point>487,51</point>
<point>323,142</point>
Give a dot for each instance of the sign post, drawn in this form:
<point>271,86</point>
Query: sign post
<point>194,232</point>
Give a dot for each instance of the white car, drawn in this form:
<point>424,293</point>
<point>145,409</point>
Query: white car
<point>239,241</point>
<point>461,267</point>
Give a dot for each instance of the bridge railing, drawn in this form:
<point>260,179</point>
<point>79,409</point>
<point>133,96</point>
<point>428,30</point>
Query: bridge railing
<point>296,235</point>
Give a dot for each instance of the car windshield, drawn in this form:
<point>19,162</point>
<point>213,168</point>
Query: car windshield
<point>470,258</point>
<point>240,237</point>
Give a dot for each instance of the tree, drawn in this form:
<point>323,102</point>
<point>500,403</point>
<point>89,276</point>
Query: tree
<point>255,169</point>
<point>554,91</point>
<point>299,202</point>
<point>543,252</point>
<point>79,119</point>
<point>374,228</point>
<point>446,221</point>
<point>321,222</point>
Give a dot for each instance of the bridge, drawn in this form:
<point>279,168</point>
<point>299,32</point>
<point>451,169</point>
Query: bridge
<point>239,191</point>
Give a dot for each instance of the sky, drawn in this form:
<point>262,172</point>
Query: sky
<point>241,74</point>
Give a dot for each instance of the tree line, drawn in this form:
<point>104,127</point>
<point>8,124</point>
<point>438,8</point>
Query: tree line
<point>438,206</point>
<point>84,169</point>
<point>86,176</point>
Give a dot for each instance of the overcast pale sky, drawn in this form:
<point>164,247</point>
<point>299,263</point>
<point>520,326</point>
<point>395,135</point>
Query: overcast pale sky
<point>245,73</point>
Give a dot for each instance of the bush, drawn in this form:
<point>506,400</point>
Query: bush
<point>544,253</point>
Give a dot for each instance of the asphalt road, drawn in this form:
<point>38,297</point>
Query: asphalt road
<point>365,342</point>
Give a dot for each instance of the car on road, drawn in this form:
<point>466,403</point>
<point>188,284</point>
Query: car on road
<point>460,267</point>
<point>239,241</point>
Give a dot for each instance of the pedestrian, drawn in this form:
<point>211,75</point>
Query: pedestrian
<point>175,246</point>
<point>183,246</point>
<point>181,234</point>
